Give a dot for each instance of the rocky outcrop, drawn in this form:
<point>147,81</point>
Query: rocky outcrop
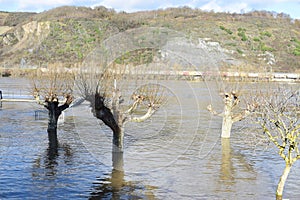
<point>30,34</point>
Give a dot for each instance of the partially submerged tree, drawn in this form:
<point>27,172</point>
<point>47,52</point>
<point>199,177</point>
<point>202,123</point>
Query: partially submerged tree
<point>278,116</point>
<point>105,92</point>
<point>49,89</point>
<point>231,113</point>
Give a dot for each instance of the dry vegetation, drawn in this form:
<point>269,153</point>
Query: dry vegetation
<point>75,31</point>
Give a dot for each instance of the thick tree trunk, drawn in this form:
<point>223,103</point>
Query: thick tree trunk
<point>282,181</point>
<point>227,120</point>
<point>118,140</point>
<point>117,161</point>
<point>54,111</point>
<point>111,118</point>
<point>52,137</point>
<point>226,126</point>
<point>52,124</point>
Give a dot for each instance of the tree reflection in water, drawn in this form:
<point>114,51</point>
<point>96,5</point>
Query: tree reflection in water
<point>48,162</point>
<point>227,171</point>
<point>230,178</point>
<point>115,187</point>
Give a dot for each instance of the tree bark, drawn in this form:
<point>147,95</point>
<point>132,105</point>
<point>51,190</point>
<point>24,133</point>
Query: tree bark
<point>118,140</point>
<point>110,118</point>
<point>282,181</point>
<point>54,111</point>
<point>226,125</point>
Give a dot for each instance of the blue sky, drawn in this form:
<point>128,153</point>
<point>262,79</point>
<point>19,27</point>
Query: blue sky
<point>291,7</point>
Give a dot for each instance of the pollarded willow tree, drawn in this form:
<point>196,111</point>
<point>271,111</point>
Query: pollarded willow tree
<point>53,89</point>
<point>232,111</point>
<point>278,113</point>
<point>106,91</point>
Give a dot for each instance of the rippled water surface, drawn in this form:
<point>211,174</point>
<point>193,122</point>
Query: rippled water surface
<point>178,154</point>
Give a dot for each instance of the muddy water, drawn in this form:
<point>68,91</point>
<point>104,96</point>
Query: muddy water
<point>178,154</point>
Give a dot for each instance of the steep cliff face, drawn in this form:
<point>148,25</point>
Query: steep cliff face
<point>23,38</point>
<point>26,35</point>
<point>32,33</point>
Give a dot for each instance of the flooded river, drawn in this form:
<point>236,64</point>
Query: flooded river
<point>177,154</point>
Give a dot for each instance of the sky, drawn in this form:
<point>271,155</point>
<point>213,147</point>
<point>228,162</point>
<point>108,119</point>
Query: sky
<point>290,7</point>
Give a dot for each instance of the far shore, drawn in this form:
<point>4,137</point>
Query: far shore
<point>177,75</point>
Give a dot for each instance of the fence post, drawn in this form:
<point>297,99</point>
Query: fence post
<point>0,99</point>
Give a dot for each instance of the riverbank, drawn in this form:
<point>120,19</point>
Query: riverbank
<point>177,75</point>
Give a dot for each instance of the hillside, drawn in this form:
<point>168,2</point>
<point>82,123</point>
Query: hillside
<point>67,35</point>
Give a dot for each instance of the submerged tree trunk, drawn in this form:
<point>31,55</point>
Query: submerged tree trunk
<point>54,111</point>
<point>117,161</point>
<point>282,181</point>
<point>227,122</point>
<point>118,140</point>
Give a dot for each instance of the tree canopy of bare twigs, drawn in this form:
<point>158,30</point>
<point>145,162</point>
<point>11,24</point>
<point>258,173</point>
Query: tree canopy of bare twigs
<point>52,82</point>
<point>277,112</point>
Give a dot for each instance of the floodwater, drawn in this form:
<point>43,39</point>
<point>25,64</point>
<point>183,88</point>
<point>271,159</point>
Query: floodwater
<point>177,154</point>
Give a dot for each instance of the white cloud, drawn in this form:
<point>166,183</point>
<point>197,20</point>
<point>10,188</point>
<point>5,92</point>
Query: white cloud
<point>230,7</point>
<point>120,4</point>
<point>28,3</point>
<point>134,5</point>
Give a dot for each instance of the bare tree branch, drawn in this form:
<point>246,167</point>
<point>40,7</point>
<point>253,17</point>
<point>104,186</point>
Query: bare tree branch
<point>54,81</point>
<point>277,114</point>
<point>213,112</point>
<point>143,118</point>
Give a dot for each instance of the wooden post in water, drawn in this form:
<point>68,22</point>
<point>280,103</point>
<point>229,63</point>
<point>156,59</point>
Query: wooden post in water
<point>1,99</point>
